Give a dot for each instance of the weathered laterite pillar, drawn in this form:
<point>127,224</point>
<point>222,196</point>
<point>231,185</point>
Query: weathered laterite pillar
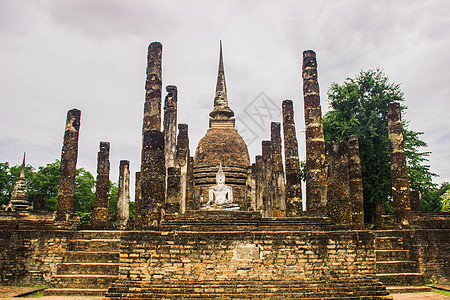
<point>153,170</point>
<point>356,184</point>
<point>182,161</point>
<point>67,171</point>
<point>338,191</point>
<point>400,184</point>
<point>248,190</point>
<point>173,190</point>
<point>123,197</point>
<point>292,163</point>
<point>153,88</point>
<point>153,181</point>
<point>137,200</point>
<point>170,125</point>
<point>278,186</point>
<point>259,176</point>
<point>316,176</point>
<point>170,148</point>
<point>415,200</point>
<point>266,193</point>
<point>100,217</point>
<point>39,202</point>
<point>191,204</point>
<point>253,191</point>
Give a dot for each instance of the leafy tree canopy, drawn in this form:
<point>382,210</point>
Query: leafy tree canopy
<point>360,106</point>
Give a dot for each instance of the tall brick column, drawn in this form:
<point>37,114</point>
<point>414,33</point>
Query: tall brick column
<point>123,197</point>
<point>278,186</point>
<point>356,184</point>
<point>100,217</point>
<point>191,202</point>
<point>69,154</point>
<point>338,191</point>
<point>39,202</point>
<point>316,176</point>
<point>259,176</point>
<point>153,170</point>
<point>173,190</point>
<point>182,161</point>
<point>170,125</point>
<point>266,193</point>
<point>399,173</point>
<point>292,162</point>
<point>415,200</point>
<point>153,88</point>
<point>253,191</point>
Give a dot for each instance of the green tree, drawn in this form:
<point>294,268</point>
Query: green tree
<point>446,201</point>
<point>46,181</point>
<point>113,196</point>
<point>360,107</point>
<point>84,191</point>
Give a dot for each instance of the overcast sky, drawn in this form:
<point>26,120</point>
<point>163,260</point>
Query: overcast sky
<point>91,54</point>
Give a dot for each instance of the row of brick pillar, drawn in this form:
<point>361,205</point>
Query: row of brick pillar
<point>100,218</point>
<point>165,181</point>
<point>333,172</point>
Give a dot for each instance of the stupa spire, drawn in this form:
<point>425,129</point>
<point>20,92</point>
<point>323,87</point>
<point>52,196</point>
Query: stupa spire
<point>221,108</point>
<point>22,169</point>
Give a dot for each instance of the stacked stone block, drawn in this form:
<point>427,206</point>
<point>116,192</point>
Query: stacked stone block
<point>66,189</point>
<point>292,162</point>
<point>100,218</point>
<point>356,184</point>
<point>399,173</point>
<point>316,176</point>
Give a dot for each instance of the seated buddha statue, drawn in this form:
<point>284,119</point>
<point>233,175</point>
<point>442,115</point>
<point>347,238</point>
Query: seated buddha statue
<point>220,195</point>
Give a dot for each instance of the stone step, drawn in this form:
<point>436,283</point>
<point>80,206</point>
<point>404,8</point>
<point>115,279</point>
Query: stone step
<point>83,281</point>
<point>96,245</point>
<point>257,286</point>
<point>392,255</point>
<point>401,279</point>
<point>96,234</point>
<point>75,292</point>
<point>387,267</point>
<point>408,289</point>
<point>388,243</point>
<point>249,291</point>
<point>100,256</point>
<point>88,269</point>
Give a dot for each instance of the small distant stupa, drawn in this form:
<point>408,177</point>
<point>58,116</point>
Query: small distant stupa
<point>19,196</point>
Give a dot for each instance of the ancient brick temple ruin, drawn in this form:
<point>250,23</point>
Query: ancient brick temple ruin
<point>216,226</point>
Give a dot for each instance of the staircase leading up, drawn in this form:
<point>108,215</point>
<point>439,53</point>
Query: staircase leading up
<point>395,268</point>
<point>249,289</point>
<point>90,265</point>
